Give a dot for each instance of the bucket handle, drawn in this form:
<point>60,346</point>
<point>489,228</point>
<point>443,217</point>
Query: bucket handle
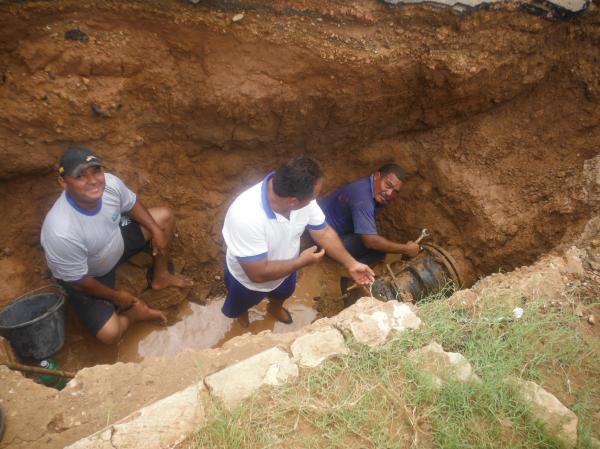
<point>56,287</point>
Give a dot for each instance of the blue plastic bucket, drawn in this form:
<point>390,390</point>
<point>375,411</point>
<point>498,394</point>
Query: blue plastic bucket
<point>34,324</point>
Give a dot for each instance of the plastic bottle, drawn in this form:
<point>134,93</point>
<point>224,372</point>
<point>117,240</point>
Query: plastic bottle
<point>49,380</point>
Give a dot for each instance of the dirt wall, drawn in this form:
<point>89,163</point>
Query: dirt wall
<point>493,113</point>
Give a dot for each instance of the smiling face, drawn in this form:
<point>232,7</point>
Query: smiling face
<point>385,187</point>
<point>86,188</point>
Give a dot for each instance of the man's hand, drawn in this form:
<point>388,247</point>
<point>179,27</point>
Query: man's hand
<point>310,256</point>
<point>125,300</point>
<point>411,249</point>
<point>361,273</point>
<point>159,242</point>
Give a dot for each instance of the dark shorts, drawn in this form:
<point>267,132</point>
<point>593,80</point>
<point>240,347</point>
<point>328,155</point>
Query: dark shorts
<point>240,299</point>
<point>95,312</point>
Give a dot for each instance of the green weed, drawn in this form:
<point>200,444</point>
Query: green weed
<point>381,398</point>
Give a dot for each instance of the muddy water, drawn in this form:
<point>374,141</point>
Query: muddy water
<point>198,327</point>
<point>204,327</point>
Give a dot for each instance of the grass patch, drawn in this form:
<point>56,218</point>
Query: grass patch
<point>380,398</point>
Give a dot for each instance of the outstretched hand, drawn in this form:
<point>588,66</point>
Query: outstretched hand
<point>361,273</point>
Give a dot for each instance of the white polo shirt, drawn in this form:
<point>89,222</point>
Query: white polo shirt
<point>253,231</point>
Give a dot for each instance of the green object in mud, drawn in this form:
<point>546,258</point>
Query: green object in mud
<point>49,380</point>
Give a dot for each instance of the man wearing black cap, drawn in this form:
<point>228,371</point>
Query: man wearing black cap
<point>86,234</point>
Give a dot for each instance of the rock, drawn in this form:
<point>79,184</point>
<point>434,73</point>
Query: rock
<point>466,299</point>
<point>370,321</point>
<point>237,382</point>
<point>237,17</point>
<point>176,265</point>
<point>280,373</point>
<point>141,260</point>
<point>591,320</point>
<point>164,423</point>
<point>310,350</point>
<point>579,310</point>
<point>6,352</point>
<point>131,278</point>
<point>76,35</point>
<point>561,423</point>
<point>573,263</point>
<point>100,111</point>
<point>165,298</point>
<point>442,364</point>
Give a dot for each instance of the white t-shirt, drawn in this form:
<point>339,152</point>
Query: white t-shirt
<point>253,231</point>
<point>78,242</point>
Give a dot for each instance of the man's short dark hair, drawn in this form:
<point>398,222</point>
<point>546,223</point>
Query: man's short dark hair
<point>297,178</point>
<point>395,169</point>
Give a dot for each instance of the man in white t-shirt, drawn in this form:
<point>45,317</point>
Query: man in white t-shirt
<point>262,231</point>
<point>96,223</point>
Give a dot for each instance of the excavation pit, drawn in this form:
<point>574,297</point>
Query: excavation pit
<point>494,114</point>
<point>190,108</point>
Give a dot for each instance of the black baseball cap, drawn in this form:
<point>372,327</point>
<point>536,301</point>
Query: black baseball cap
<point>75,160</point>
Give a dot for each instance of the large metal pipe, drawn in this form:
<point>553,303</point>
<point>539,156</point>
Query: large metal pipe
<point>415,279</point>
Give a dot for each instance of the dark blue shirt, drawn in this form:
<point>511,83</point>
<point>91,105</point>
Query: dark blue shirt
<point>352,208</point>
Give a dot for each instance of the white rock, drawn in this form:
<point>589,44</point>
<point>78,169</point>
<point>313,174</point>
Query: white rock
<point>239,381</point>
<point>164,423</point>
<point>370,321</point>
<point>312,349</point>
<point>560,422</point>
<point>280,373</point>
<point>442,364</point>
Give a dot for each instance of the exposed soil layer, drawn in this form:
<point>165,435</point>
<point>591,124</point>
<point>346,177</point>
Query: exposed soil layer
<point>494,114</point>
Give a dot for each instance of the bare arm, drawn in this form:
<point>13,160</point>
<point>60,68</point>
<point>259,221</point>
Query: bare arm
<point>379,243</point>
<point>328,239</point>
<point>264,270</point>
<point>90,286</point>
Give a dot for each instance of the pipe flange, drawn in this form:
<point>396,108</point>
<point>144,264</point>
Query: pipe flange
<point>447,260</point>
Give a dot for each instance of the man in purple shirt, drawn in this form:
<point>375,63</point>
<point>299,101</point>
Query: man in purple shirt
<point>351,211</point>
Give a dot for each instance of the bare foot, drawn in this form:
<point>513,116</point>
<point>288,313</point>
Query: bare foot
<point>167,279</point>
<point>141,312</point>
<point>244,320</point>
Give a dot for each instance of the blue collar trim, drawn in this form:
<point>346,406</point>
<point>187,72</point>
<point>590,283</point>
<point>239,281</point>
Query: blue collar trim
<point>265,197</point>
<point>89,213</point>
<point>372,185</point>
